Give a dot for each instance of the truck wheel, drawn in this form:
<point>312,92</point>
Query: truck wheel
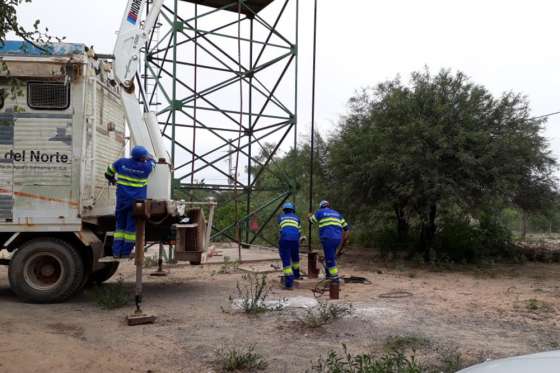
<point>104,273</point>
<point>45,270</point>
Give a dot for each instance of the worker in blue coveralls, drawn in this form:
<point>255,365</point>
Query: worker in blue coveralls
<point>131,177</point>
<point>333,230</point>
<point>290,231</point>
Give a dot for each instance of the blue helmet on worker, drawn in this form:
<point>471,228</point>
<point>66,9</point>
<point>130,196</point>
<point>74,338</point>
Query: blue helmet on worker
<point>289,206</point>
<point>139,153</point>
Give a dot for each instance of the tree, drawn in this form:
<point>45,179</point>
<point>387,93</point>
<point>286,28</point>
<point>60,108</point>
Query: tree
<point>439,142</point>
<point>9,23</point>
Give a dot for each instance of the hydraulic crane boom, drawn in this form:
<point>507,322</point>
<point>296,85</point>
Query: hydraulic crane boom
<point>144,128</point>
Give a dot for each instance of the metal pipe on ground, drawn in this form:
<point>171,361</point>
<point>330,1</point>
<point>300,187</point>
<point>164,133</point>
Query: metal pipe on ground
<point>313,264</point>
<point>142,213</point>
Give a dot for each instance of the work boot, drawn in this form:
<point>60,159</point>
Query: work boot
<point>288,282</point>
<point>297,275</point>
<point>334,279</point>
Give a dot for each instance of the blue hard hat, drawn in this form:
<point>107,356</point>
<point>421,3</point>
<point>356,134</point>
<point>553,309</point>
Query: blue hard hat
<point>139,152</point>
<point>324,204</point>
<point>289,206</point>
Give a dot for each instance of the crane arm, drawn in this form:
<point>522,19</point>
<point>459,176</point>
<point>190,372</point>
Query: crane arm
<point>144,128</point>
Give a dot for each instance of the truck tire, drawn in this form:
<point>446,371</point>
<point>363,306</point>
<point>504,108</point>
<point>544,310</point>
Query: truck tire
<point>104,273</point>
<point>46,270</point>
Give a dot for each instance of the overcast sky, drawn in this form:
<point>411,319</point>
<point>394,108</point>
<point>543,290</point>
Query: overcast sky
<point>502,44</point>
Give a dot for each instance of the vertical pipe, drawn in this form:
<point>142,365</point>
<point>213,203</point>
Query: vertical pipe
<point>195,91</point>
<point>296,96</point>
<point>250,149</point>
<point>312,150</point>
<point>174,95</point>
<point>146,60</point>
<point>296,78</point>
<point>139,251</point>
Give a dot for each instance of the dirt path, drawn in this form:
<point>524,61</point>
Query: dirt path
<point>489,313</point>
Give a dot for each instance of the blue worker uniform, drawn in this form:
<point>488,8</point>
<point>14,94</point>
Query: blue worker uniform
<point>131,177</point>
<point>290,231</point>
<point>331,225</point>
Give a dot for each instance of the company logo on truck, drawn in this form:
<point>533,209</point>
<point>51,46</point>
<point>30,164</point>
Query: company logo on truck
<point>134,11</point>
<point>36,156</point>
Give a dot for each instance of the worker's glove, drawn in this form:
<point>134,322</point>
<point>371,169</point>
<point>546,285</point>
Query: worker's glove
<point>110,179</point>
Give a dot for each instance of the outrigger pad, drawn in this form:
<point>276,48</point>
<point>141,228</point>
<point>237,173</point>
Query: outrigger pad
<point>140,319</point>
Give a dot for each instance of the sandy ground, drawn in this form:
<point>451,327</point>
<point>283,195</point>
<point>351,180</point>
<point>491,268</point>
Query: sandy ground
<point>483,312</point>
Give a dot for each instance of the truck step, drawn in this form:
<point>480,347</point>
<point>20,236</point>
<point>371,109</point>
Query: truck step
<point>110,259</point>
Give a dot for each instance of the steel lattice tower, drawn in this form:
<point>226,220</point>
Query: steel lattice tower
<point>225,75</point>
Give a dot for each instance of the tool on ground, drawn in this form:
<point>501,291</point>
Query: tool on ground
<point>356,280</point>
<point>141,212</point>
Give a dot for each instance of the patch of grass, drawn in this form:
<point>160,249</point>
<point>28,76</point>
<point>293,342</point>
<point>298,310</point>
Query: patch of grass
<point>403,343</point>
<point>445,360</point>
<point>233,359</point>
<point>252,294</point>
<point>229,266</point>
<point>324,314</point>
<point>450,360</point>
<point>391,362</point>
<point>111,296</point>
<point>538,306</point>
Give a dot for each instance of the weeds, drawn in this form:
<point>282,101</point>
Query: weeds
<point>448,360</point>
<point>252,294</point>
<point>391,362</point>
<point>112,296</point>
<point>403,343</point>
<point>229,266</point>
<point>239,359</point>
<point>538,306</point>
<point>324,314</point>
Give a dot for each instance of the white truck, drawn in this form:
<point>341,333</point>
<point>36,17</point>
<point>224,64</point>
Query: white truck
<point>69,121</point>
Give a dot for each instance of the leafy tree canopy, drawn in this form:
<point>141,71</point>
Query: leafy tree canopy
<point>439,141</point>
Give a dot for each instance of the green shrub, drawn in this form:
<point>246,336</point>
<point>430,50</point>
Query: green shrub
<point>252,294</point>
<point>111,296</point>
<point>391,362</point>
<point>324,314</point>
<point>234,359</point>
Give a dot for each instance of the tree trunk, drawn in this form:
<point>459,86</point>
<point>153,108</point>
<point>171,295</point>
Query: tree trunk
<point>428,232</point>
<point>524,224</point>
<point>402,225</point>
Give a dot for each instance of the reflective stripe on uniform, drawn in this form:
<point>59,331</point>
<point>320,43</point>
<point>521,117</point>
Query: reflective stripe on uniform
<point>330,221</point>
<point>118,235</point>
<point>289,223</point>
<point>110,171</point>
<point>133,179</point>
<point>288,271</point>
<point>129,236</point>
<point>333,271</point>
<point>295,265</point>
<point>131,184</point>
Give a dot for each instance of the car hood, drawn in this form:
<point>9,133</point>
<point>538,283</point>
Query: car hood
<point>544,362</point>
